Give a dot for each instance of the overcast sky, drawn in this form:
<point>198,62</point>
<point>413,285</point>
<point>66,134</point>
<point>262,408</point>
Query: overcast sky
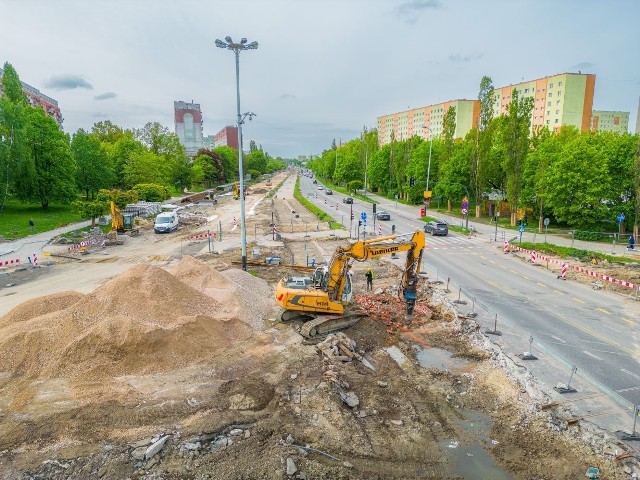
<point>324,68</point>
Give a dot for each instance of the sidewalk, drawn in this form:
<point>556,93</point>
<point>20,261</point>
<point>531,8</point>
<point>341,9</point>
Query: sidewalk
<point>18,248</point>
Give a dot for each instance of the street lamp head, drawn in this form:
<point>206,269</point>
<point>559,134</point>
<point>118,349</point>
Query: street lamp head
<point>252,46</point>
<point>228,39</point>
<point>243,41</point>
<point>220,44</point>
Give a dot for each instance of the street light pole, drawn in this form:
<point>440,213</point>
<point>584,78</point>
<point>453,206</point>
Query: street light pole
<point>236,48</point>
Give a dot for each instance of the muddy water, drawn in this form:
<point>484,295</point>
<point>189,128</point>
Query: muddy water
<point>469,456</point>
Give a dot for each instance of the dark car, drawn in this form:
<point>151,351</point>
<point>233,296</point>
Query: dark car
<point>382,215</point>
<point>315,181</point>
<point>347,200</point>
<point>437,228</point>
<point>328,191</point>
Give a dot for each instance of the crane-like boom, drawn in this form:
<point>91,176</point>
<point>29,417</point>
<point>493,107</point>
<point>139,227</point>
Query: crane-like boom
<point>330,289</point>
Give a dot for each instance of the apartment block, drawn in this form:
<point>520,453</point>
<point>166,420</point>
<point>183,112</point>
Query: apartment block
<point>38,99</point>
<point>228,136</point>
<point>188,124</point>
<point>564,99</point>
<point>426,122</point>
<point>604,121</point>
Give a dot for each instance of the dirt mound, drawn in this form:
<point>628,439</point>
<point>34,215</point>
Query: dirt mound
<point>239,293</point>
<point>40,306</point>
<point>143,321</point>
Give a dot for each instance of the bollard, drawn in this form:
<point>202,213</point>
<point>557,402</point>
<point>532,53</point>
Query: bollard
<point>634,436</point>
<point>528,355</point>
<point>447,288</point>
<point>458,301</point>
<point>473,313</point>
<point>495,330</point>
<point>561,388</point>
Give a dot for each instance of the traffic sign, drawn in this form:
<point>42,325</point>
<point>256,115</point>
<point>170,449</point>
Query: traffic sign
<point>465,203</point>
<point>465,211</point>
<point>546,222</point>
<point>621,218</point>
<point>521,228</point>
<point>427,194</point>
<point>363,216</point>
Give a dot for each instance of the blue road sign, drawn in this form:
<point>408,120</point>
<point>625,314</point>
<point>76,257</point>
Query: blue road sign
<point>521,228</point>
<point>363,216</point>
<point>621,218</point>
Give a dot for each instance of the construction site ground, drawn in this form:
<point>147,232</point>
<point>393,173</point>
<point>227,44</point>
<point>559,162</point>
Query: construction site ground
<point>161,359</point>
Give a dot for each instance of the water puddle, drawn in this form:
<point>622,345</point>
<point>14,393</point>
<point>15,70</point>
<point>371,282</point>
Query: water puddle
<point>471,460</point>
<point>439,358</point>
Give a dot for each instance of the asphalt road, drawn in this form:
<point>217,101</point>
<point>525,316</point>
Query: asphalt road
<point>596,331</point>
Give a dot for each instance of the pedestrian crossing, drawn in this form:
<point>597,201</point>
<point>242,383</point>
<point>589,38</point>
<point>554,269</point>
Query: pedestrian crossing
<point>457,241</point>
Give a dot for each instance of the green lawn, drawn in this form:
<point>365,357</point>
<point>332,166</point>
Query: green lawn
<point>14,218</point>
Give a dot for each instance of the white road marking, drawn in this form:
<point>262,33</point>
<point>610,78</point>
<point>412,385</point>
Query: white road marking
<point>630,373</point>
<point>622,390</point>
<point>611,328</point>
<point>591,355</point>
<point>559,339</point>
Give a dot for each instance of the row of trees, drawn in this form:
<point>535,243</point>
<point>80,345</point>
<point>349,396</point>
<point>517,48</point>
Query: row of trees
<point>579,179</point>
<point>40,163</point>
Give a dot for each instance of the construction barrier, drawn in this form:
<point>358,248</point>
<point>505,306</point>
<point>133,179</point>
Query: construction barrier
<point>505,247</point>
<point>564,271</point>
<point>235,222</point>
<point>85,243</point>
<point>8,263</point>
<point>337,205</point>
<point>35,259</point>
<point>606,278</point>
<point>379,230</point>
<point>533,257</point>
<point>202,235</point>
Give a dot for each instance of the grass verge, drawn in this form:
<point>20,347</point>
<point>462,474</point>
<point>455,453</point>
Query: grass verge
<point>14,219</point>
<point>322,216</point>
<point>569,252</point>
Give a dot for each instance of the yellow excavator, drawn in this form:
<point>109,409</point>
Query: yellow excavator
<point>320,300</point>
<point>120,222</point>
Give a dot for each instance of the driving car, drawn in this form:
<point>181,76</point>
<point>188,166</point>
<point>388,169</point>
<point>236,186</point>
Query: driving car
<point>319,187</point>
<point>437,228</point>
<point>328,191</point>
<point>347,200</point>
<point>382,215</point>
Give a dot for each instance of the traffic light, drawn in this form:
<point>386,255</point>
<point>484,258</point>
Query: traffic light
<point>412,181</point>
<point>393,229</point>
<point>352,216</point>
<point>359,223</point>
<point>374,207</point>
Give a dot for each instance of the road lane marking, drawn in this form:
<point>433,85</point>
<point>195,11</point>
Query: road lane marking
<point>525,277</point>
<point>482,256</point>
<point>559,339</point>
<point>622,390</point>
<point>603,310</point>
<point>591,355</point>
<point>514,272</point>
<point>630,373</point>
<point>542,284</point>
<point>630,322</point>
<point>577,300</point>
<point>559,292</point>
<point>502,266</point>
<point>611,328</point>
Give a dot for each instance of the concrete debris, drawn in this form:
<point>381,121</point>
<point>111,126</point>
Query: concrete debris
<point>399,423</point>
<point>382,384</point>
<point>291,466</point>
<point>350,398</point>
<point>155,447</point>
<point>139,453</point>
<point>347,464</point>
<point>236,432</point>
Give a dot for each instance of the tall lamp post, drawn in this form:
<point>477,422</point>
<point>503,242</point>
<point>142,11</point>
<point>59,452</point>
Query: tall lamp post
<point>237,48</point>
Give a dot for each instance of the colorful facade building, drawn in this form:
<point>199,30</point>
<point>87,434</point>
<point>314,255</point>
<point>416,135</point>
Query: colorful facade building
<point>564,99</point>
<point>426,122</point>
<point>228,136</point>
<point>39,99</point>
<point>188,125</point>
<point>604,121</point>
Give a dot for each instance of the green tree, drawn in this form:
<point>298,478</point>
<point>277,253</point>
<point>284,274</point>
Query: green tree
<point>91,209</point>
<point>92,168</point>
<point>143,167</point>
<point>49,176</point>
<point>515,135</point>
<point>483,135</point>
<point>255,160</point>
<point>13,140</point>
<point>119,155</point>
<point>107,132</point>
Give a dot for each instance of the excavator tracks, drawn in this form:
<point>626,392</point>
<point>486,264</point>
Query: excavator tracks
<point>325,324</point>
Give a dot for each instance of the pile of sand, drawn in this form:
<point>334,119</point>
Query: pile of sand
<point>146,320</point>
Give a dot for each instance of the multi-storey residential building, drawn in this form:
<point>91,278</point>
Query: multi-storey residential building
<point>228,136</point>
<point>208,142</point>
<point>426,122</point>
<point>564,99</point>
<point>188,124</point>
<point>37,98</point>
<point>603,121</point>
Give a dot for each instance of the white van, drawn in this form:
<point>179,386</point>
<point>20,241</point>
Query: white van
<point>166,222</point>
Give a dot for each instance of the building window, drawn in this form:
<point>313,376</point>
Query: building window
<point>550,94</point>
<point>548,112</point>
<point>559,84</point>
<point>557,102</point>
<point>557,112</point>
<point>547,122</point>
<point>559,93</point>
<point>548,104</point>
<point>556,120</point>
<point>551,85</point>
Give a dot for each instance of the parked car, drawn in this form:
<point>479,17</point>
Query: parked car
<point>437,228</point>
<point>347,200</point>
<point>319,187</point>
<point>328,191</point>
<point>382,215</point>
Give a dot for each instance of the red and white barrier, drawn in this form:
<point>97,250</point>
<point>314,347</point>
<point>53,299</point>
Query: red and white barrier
<point>83,244</point>
<point>337,205</point>
<point>533,257</point>
<point>564,271</point>
<point>202,235</point>
<point>35,259</point>
<point>275,229</point>
<point>8,263</point>
<point>379,230</point>
<point>505,247</point>
<point>606,278</point>
<point>235,222</point>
